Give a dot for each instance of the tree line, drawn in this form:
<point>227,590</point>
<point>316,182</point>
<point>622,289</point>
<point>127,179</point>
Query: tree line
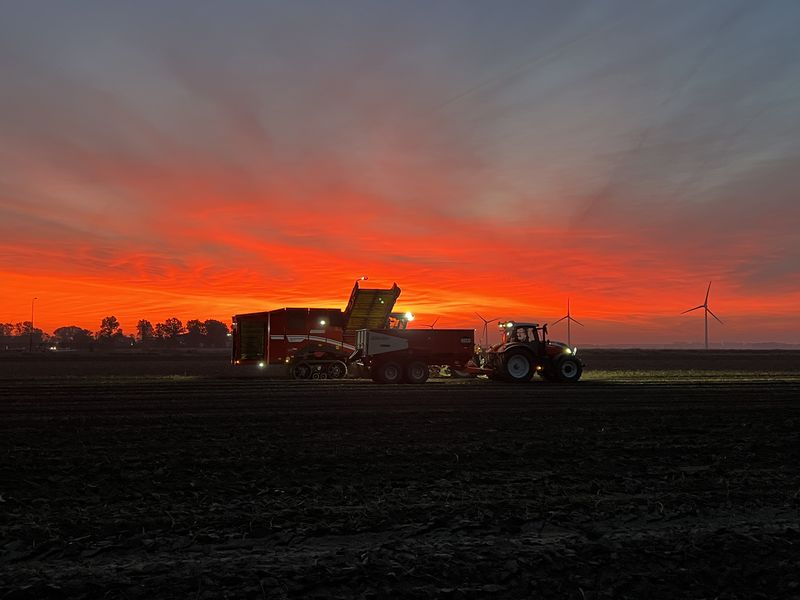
<point>172,333</point>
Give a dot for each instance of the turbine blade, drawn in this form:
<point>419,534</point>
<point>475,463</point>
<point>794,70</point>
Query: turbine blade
<point>715,316</point>
<point>493,320</point>
<point>435,321</point>
<point>480,317</point>
<point>576,321</point>
<point>707,290</point>
<point>559,321</point>
<point>695,308</point>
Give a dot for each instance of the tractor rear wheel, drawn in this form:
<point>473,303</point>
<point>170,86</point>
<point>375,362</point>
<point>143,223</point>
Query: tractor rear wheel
<point>389,372</point>
<point>569,370</point>
<point>417,372</point>
<point>518,366</point>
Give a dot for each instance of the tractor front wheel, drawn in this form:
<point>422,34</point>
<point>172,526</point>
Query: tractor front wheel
<point>569,370</point>
<point>518,366</point>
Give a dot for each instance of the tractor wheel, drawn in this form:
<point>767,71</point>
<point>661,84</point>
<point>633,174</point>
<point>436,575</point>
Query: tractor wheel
<point>417,372</point>
<point>301,371</point>
<point>337,370</point>
<point>389,372</point>
<point>569,370</point>
<point>517,366</point>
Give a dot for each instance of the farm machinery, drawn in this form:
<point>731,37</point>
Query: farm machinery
<point>367,338</point>
<point>312,343</point>
<point>524,351</point>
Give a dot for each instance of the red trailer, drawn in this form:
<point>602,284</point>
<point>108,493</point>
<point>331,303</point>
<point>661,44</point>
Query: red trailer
<point>405,355</point>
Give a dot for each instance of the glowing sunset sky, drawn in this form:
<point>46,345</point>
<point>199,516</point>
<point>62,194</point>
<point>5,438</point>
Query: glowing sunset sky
<point>200,159</point>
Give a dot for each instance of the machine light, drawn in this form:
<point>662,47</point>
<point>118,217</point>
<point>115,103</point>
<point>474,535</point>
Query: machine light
<point>323,322</point>
<point>510,324</point>
<point>567,351</point>
<point>261,365</point>
<point>409,316</point>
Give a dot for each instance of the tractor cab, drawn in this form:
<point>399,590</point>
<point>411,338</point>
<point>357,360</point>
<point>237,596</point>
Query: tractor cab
<point>528,334</point>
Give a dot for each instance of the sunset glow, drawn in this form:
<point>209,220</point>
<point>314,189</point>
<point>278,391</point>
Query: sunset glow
<point>199,165</point>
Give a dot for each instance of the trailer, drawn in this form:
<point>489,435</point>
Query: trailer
<point>406,355</point>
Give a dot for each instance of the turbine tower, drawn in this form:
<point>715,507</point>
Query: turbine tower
<point>570,320</point>
<point>706,312</point>
<point>486,328</point>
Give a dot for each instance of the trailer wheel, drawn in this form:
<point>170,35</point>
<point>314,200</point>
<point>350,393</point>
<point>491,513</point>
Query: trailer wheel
<point>389,372</point>
<point>337,370</point>
<point>517,366</point>
<point>417,372</point>
<point>569,370</point>
<point>301,371</point>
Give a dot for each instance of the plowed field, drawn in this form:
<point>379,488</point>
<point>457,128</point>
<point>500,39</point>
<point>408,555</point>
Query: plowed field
<point>668,483</point>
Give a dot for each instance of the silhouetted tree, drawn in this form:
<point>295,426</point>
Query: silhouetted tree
<point>216,333</point>
<point>174,327</point>
<point>169,330</point>
<point>145,331</point>
<point>109,327</point>
<point>25,329</point>
<point>6,329</point>
<point>195,326</point>
<point>73,337</point>
<point>195,333</point>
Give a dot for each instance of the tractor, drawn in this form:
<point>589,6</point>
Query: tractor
<point>526,350</point>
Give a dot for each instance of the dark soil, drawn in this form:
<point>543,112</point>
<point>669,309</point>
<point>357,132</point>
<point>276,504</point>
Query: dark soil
<point>188,486</point>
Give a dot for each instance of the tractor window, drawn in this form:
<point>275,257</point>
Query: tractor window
<point>520,335</point>
<point>533,335</point>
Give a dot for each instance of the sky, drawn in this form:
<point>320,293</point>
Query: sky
<point>201,159</point>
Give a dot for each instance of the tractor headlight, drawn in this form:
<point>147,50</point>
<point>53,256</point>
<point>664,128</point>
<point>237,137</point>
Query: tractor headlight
<point>261,365</point>
<point>567,351</point>
<point>575,350</point>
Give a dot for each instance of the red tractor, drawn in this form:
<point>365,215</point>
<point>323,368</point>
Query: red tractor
<point>525,351</point>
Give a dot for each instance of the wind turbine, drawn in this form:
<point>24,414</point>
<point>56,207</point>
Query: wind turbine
<point>486,328</point>
<point>432,325</point>
<point>706,312</point>
<point>570,320</point>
